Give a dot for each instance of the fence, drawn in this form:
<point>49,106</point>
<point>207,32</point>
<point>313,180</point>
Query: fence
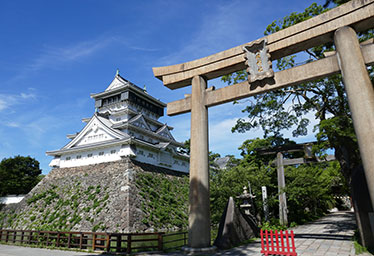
<point>110,242</point>
<point>278,243</point>
<point>174,241</point>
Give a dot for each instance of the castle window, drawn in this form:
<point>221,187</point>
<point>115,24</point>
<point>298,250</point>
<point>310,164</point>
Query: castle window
<point>141,152</point>
<point>78,156</point>
<point>68,158</point>
<point>150,155</point>
<point>111,100</point>
<point>101,153</point>
<point>89,155</point>
<point>113,151</point>
<point>118,119</point>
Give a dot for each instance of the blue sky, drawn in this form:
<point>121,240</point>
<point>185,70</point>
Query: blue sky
<point>53,54</point>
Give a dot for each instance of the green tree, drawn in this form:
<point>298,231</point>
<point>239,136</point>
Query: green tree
<point>252,155</point>
<point>288,108</point>
<point>18,175</point>
<point>212,156</point>
<point>230,182</point>
<point>310,188</point>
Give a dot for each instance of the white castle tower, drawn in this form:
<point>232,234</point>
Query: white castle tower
<point>125,124</point>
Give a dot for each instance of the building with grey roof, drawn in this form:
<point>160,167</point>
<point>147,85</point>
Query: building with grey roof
<point>125,124</point>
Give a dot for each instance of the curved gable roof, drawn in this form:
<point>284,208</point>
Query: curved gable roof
<point>96,123</point>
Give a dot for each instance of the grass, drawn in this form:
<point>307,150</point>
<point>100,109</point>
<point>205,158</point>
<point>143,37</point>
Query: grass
<point>172,242</point>
<point>360,249</point>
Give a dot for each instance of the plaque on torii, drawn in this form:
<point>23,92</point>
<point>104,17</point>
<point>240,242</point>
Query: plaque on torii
<point>338,25</point>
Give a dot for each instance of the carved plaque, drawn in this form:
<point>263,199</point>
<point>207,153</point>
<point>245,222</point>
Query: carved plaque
<point>258,61</point>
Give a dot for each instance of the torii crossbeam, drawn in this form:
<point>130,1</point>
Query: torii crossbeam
<point>338,25</point>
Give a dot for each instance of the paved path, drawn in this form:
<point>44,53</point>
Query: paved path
<point>329,236</point>
<point>11,250</point>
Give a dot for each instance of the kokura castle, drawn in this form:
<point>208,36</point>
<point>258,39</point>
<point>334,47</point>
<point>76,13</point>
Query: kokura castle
<point>125,124</point>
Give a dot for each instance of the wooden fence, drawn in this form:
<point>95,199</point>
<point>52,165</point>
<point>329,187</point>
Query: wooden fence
<point>174,241</point>
<point>110,242</point>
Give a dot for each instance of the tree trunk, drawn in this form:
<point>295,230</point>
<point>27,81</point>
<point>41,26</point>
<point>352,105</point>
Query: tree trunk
<point>362,206</point>
<point>346,152</point>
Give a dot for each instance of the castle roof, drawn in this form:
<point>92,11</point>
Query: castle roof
<point>120,84</point>
<point>125,123</point>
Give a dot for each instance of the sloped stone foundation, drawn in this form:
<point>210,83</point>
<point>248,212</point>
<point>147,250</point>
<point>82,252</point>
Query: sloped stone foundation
<point>102,197</point>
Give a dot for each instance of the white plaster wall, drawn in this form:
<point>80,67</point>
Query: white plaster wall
<point>141,136</point>
<point>118,106</point>
<point>142,155</point>
<point>11,199</point>
<point>94,137</point>
<point>97,156</point>
<point>146,156</point>
<point>122,118</point>
<point>181,165</point>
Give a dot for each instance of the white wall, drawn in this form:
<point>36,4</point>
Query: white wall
<point>145,155</point>
<point>11,199</point>
<point>95,156</point>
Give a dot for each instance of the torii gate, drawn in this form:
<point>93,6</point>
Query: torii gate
<point>339,25</point>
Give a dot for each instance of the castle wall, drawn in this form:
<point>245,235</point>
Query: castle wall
<point>100,197</point>
<point>115,153</point>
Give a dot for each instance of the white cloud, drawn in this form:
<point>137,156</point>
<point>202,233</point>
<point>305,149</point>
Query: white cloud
<point>223,141</point>
<point>221,28</point>
<point>53,56</point>
<point>221,119</point>
<point>9,100</point>
<point>12,124</point>
<point>3,104</point>
<point>27,95</point>
<point>38,127</point>
<point>143,49</point>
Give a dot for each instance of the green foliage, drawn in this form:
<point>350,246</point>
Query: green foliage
<point>98,226</point>
<point>18,175</point>
<point>359,249</point>
<point>95,204</point>
<point>212,155</point>
<point>273,225</point>
<point>48,196</point>
<point>290,108</point>
<point>230,182</point>
<point>165,200</point>
<point>310,189</point>
<point>58,208</point>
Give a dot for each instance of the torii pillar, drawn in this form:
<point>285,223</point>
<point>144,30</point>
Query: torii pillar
<point>360,95</point>
<point>199,214</point>
<point>256,56</point>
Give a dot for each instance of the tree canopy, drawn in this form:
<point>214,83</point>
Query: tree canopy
<point>323,100</point>
<point>292,107</point>
<point>18,175</point>
<point>310,188</point>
